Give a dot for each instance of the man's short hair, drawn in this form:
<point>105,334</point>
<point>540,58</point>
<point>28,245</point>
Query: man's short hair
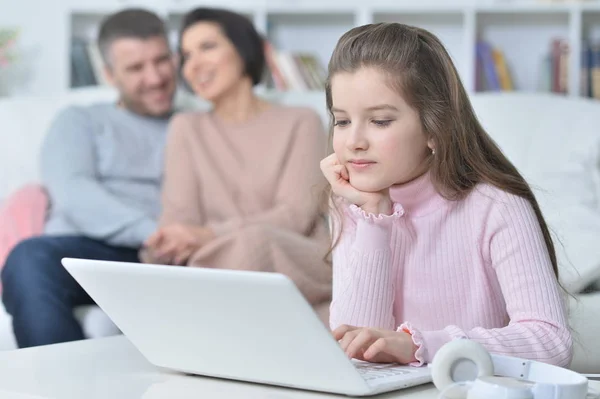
<point>134,23</point>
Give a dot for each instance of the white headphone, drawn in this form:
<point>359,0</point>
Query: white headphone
<point>464,364</point>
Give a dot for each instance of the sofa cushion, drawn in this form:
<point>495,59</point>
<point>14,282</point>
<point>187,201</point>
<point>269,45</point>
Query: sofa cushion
<point>22,216</point>
<point>554,141</point>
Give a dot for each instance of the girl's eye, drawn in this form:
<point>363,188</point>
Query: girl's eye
<point>382,123</point>
<point>341,123</point>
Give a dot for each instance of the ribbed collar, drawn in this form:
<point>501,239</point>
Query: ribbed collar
<point>418,197</point>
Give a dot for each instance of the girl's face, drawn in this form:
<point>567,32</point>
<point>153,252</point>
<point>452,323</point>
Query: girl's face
<point>377,135</point>
<point>211,64</point>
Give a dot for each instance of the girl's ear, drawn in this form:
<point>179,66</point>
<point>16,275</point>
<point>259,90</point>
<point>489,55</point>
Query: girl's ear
<point>431,144</point>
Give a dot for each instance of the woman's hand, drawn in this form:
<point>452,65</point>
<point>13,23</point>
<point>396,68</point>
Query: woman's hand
<point>375,345</point>
<point>175,243</point>
<point>338,177</point>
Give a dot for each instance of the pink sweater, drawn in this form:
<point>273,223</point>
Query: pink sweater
<point>476,268</point>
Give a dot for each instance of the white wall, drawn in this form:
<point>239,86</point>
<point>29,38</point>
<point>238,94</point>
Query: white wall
<point>32,17</point>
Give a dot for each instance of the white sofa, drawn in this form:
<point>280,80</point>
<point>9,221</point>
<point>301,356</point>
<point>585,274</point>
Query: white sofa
<point>554,141</point>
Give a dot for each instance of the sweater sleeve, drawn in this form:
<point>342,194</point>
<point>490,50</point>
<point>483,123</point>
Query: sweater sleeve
<point>300,184</point>
<point>538,328</point>
<point>363,275</point>
<point>69,173</point>
<point>180,196</point>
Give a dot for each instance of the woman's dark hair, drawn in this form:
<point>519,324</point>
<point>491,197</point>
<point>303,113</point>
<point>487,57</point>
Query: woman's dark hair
<point>239,30</point>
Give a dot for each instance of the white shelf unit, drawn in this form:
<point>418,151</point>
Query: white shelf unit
<point>522,31</point>
<point>308,31</point>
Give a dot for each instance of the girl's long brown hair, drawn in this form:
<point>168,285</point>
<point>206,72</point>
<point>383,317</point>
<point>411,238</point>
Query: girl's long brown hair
<point>419,67</point>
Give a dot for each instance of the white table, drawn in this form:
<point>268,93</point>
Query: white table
<point>113,368</point>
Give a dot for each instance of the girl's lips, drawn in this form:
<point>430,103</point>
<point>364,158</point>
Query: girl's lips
<point>361,165</point>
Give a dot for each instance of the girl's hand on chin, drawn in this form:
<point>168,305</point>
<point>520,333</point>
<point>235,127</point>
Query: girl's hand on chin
<point>337,175</point>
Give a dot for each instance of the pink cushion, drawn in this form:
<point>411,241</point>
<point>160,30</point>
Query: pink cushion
<point>22,216</point>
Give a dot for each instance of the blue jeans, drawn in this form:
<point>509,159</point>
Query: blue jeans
<point>40,294</point>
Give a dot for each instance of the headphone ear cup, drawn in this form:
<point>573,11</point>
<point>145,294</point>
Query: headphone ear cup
<point>458,361</point>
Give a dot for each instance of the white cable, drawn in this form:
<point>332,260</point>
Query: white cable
<point>442,394</point>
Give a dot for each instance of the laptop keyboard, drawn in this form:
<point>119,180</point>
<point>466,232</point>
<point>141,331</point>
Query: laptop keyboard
<point>380,371</point>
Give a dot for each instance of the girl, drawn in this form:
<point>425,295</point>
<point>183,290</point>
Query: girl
<point>438,236</point>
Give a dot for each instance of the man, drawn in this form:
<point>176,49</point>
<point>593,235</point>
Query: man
<point>101,165</point>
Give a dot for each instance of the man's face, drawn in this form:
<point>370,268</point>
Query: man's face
<point>143,70</point>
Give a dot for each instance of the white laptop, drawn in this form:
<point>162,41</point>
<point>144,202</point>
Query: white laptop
<point>240,325</point>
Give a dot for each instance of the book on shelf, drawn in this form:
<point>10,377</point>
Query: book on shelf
<point>298,71</point>
<point>554,73</point>
<point>590,70</point>
<point>559,66</point>
<point>492,71</point>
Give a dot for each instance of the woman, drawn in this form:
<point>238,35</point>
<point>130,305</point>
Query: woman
<point>242,181</point>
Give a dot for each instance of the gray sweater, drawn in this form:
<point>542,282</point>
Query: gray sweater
<point>102,166</point>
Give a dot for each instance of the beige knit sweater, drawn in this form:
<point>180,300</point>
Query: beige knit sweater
<point>257,184</point>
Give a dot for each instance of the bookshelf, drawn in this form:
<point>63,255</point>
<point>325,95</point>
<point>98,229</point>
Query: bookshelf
<point>525,38</point>
<point>523,31</point>
<point>299,32</point>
